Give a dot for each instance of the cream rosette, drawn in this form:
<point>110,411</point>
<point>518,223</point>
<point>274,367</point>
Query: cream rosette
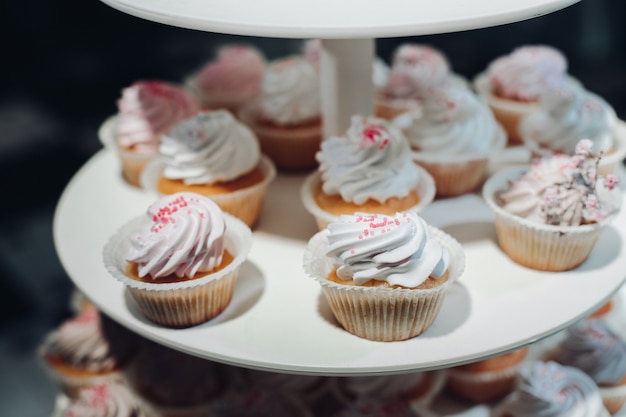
<point>388,313</point>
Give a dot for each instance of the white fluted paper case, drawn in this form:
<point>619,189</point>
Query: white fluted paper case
<point>185,303</point>
<point>382,314</point>
<point>535,245</point>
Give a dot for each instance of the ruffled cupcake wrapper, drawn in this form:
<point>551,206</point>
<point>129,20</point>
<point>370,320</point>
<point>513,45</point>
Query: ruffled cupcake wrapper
<point>613,398</point>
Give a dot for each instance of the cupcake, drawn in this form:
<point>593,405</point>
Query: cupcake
<point>83,351</point>
<point>377,407</point>
<point>110,399</point>
<point>487,380</point>
<point>305,389</point>
<point>181,260</point>
<point>286,117</point>
<point>568,114</point>
<point>454,138</point>
<point>146,111</point>
<point>370,169</point>
<point>170,383</point>
<point>257,402</point>
<point>384,277</point>
<point>412,387</point>
<point>230,80</point>
<point>512,83</point>
<point>214,155</point>
<point>591,346</point>
<point>548,389</point>
<point>549,215</point>
<point>414,69</point>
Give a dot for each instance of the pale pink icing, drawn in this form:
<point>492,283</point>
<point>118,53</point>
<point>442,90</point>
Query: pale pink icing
<point>149,109</point>
<point>527,71</point>
<point>182,235</point>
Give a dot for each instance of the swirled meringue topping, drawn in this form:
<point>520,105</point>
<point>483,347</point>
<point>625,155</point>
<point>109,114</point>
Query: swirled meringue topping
<point>237,68</point>
<point>211,147</point>
<point>547,389</point>
<point>397,249</point>
<point>453,121</point>
<point>182,235</point>
<point>527,71</point>
<point>567,115</point>
<point>590,345</point>
<point>149,109</point>
<point>563,190</point>
<point>416,69</point>
<point>290,92</point>
<point>104,400</point>
<point>372,161</point>
<point>80,343</point>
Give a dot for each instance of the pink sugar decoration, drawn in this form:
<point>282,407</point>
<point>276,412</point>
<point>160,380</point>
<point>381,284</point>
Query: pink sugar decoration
<point>610,181</point>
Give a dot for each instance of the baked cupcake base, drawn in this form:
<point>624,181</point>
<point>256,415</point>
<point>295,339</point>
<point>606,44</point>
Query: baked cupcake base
<point>245,203</point>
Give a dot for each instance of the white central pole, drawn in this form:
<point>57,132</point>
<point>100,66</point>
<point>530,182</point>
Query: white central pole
<point>347,87</point>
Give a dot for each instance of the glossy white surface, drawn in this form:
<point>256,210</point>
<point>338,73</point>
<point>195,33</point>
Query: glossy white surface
<point>336,19</point>
<point>277,319</point>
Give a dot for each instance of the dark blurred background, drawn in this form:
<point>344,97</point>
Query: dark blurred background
<point>63,67</point>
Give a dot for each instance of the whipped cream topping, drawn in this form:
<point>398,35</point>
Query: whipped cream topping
<point>547,389</point>
<point>563,190</point>
<point>455,121</point>
<point>236,68</point>
<point>104,400</point>
<point>290,92</point>
<point>590,345</point>
<point>149,109</point>
<point>81,343</point>
<point>372,161</point>
<point>397,249</point>
<point>415,69</point>
<point>566,115</point>
<point>523,74</point>
<point>183,234</point>
<point>209,148</point>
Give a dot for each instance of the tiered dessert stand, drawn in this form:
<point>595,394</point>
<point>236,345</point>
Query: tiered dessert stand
<point>278,320</point>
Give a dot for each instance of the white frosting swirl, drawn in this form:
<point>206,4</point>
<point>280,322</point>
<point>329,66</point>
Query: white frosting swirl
<point>566,115</point>
<point>182,235</point>
<point>80,343</point>
<point>372,161</point>
<point>547,389</point>
<point>397,249</point>
<point>147,110</point>
<point>105,400</point>
<point>209,148</point>
<point>595,349</point>
<point>290,92</point>
<point>453,121</point>
<point>526,72</point>
<point>415,69</point>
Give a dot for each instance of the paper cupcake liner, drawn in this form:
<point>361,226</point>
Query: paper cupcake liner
<point>613,398</point>
<point>71,383</point>
<point>459,174</point>
<point>534,245</point>
<point>426,190</point>
<point>132,163</point>
<point>245,204</point>
<point>292,148</point>
<point>482,386</point>
<point>382,314</point>
<point>185,303</point>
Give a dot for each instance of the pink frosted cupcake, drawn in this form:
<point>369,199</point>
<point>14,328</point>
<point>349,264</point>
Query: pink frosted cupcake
<point>146,111</point>
<point>81,352</point>
<point>180,261</point>
<point>384,277</point>
<point>512,83</point>
<point>111,399</point>
<point>231,80</point>
<point>286,116</point>
<point>369,169</point>
<point>415,68</point>
<point>549,215</point>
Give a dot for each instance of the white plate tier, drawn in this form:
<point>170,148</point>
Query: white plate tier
<point>278,319</point>
<point>336,19</point>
